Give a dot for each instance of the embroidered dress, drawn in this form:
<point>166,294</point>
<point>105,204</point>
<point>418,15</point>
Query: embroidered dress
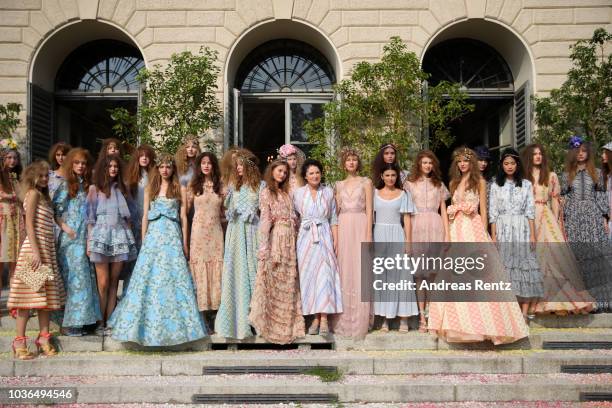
<point>136,205</point>
<point>388,229</point>
<point>609,190</point>
<point>12,224</point>
<point>563,287</point>
<point>510,209</point>
<point>55,181</point>
<point>82,302</point>
<point>206,248</point>
<point>276,308</point>
<point>500,322</point>
<point>110,240</point>
<point>317,263</point>
<point>240,263</point>
<point>159,308</point>
<point>352,229</point>
<point>293,181</point>
<point>51,295</point>
<point>186,177</point>
<point>585,206</point>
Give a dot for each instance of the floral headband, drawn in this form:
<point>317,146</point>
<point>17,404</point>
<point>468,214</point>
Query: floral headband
<point>246,159</point>
<point>164,158</point>
<point>575,142</point>
<point>465,152</point>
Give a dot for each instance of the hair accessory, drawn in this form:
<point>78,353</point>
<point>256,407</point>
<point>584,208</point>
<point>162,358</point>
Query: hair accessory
<point>483,153</point>
<point>347,151</point>
<point>575,142</point>
<point>391,145</point>
<point>287,150</point>
<point>164,158</point>
<point>608,146</point>
<point>8,143</point>
<point>465,152</point>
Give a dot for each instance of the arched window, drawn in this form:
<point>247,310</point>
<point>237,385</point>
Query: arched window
<point>473,64</point>
<point>285,66</point>
<point>100,67</point>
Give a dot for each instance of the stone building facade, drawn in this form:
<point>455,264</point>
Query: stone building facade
<point>68,61</point>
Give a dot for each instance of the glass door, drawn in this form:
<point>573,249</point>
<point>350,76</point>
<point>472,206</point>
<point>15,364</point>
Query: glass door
<point>298,111</point>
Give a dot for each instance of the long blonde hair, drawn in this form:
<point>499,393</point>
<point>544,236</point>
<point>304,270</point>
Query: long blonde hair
<point>460,154</point>
<point>154,186</point>
<point>181,159</point>
<point>30,177</point>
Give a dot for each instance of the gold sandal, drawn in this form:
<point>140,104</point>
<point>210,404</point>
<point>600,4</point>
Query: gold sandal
<point>21,352</point>
<point>45,348</point>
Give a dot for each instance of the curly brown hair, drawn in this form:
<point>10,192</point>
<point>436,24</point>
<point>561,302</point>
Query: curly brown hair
<point>347,152</point>
<point>269,178</point>
<point>61,147</point>
<point>436,174</point>
<point>228,164</point>
<point>461,154</point>
<point>72,179</point>
<point>102,180</point>
<point>250,171</point>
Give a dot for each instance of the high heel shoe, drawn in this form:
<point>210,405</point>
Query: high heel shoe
<point>45,348</point>
<point>385,326</point>
<point>21,352</point>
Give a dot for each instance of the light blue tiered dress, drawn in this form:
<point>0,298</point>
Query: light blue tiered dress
<point>160,308</point>
<point>82,302</point>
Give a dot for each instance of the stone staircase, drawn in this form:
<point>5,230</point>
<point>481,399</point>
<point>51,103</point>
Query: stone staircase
<point>566,359</point>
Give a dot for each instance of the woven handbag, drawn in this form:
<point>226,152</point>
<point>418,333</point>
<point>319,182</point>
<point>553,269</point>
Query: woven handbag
<point>34,278</point>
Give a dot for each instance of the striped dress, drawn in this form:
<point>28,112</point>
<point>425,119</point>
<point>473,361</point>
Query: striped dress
<point>317,263</point>
<point>51,296</point>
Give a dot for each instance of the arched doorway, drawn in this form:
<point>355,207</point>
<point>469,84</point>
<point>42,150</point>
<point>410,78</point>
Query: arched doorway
<point>495,68</point>
<point>278,86</point>
<point>95,78</point>
<point>483,73</point>
<point>77,74</point>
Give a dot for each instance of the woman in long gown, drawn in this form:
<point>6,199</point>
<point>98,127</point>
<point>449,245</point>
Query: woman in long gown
<point>276,308</point>
<point>563,287</point>
<point>12,226</point>
<point>511,215</point>
<point>430,222</point>
<point>606,170</point>
<point>206,250</point>
<point>159,307</point>
<point>317,239</point>
<point>354,202</point>
<point>70,203</point>
<point>241,245</point>
<point>392,206</point>
<point>502,321</point>
<point>585,212</point>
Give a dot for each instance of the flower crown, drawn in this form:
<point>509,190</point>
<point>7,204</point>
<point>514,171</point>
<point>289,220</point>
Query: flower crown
<point>575,142</point>
<point>287,150</point>
<point>8,143</point>
<point>465,152</point>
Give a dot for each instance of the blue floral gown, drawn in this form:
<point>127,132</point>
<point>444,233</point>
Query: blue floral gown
<point>159,307</point>
<point>240,263</point>
<point>82,302</point>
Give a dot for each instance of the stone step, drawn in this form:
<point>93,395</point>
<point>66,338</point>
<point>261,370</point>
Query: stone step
<point>380,388</point>
<point>373,341</point>
<point>351,363</point>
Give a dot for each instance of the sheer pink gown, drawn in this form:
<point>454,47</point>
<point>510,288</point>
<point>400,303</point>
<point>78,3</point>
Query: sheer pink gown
<point>352,228</point>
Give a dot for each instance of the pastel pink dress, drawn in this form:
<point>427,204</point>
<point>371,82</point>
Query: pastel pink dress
<point>352,230</point>
<point>564,290</point>
<point>500,322</point>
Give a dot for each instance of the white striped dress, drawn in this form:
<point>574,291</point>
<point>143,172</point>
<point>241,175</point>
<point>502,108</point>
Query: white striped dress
<point>317,263</point>
<point>51,296</point>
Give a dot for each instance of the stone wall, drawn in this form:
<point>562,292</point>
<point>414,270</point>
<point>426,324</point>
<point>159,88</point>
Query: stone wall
<point>358,29</point>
